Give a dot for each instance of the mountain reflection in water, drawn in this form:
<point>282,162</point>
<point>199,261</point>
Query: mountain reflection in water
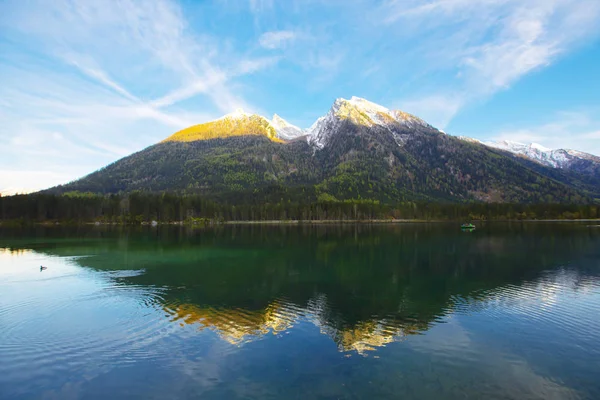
<point>344,311</point>
<point>363,286</point>
<point>238,326</point>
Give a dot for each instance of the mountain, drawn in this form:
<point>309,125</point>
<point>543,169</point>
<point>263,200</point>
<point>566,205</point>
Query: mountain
<point>360,112</point>
<point>285,130</point>
<point>238,123</point>
<point>358,150</point>
<point>559,158</point>
<point>570,166</point>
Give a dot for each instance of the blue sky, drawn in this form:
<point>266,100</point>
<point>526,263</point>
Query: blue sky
<point>84,83</point>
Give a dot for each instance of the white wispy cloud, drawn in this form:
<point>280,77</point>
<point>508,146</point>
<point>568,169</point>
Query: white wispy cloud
<point>22,181</point>
<point>437,110</point>
<point>491,44</point>
<point>89,68</point>
<point>566,130</point>
<point>260,5</point>
<point>87,82</point>
<point>592,135</point>
<point>74,103</point>
<point>276,39</point>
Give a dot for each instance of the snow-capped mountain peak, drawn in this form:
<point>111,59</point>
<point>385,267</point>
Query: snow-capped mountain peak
<point>364,105</point>
<point>558,158</point>
<point>517,147</point>
<point>539,147</point>
<point>237,114</point>
<point>360,112</point>
<point>284,129</point>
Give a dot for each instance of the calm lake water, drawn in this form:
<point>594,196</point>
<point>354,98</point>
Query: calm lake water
<point>509,311</point>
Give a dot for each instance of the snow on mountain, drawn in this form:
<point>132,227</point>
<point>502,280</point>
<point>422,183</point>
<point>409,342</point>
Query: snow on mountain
<point>559,158</point>
<point>239,123</point>
<point>470,140</point>
<point>360,112</point>
<point>356,110</point>
<point>237,114</point>
<point>285,130</point>
<point>366,113</point>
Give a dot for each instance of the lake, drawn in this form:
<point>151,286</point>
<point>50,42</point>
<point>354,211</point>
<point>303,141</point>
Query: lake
<point>411,311</point>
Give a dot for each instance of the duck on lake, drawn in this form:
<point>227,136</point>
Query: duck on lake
<point>42,268</point>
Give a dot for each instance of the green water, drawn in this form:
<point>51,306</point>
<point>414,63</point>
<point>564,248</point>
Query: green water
<point>508,311</point>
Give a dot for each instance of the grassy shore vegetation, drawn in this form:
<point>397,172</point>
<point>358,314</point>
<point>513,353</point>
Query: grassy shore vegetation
<point>141,207</point>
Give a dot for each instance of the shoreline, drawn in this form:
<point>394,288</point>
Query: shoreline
<point>292,222</point>
<point>332,221</point>
<point>395,221</point>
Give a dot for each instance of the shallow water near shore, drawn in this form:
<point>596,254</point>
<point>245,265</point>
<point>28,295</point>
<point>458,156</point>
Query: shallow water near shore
<point>509,310</point>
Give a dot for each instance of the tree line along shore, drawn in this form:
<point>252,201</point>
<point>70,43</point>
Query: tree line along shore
<point>155,208</point>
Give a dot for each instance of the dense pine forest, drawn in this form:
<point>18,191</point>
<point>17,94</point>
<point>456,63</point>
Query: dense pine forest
<point>141,207</point>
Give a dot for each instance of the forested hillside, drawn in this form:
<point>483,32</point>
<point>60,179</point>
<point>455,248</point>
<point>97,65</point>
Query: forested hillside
<point>358,151</point>
<point>359,163</point>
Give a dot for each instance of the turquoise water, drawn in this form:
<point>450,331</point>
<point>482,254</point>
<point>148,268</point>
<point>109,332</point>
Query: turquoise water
<point>308,312</point>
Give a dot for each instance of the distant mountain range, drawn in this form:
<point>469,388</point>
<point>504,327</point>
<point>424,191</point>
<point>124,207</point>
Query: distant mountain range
<point>558,158</point>
<point>358,150</point>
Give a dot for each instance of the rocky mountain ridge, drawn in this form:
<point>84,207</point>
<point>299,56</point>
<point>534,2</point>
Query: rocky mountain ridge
<point>358,150</point>
<point>556,158</point>
<point>362,112</point>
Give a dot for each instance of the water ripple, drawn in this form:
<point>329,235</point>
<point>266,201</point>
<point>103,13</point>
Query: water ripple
<point>67,331</point>
<point>556,299</point>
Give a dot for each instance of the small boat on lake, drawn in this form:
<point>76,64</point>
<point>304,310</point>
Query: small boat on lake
<point>467,226</point>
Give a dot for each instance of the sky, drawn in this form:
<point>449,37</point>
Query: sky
<point>85,83</point>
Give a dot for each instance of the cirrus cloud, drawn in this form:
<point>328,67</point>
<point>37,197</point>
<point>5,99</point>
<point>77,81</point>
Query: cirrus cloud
<point>276,39</point>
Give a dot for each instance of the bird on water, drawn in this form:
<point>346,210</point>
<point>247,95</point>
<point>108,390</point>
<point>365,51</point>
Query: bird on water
<point>42,268</point>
